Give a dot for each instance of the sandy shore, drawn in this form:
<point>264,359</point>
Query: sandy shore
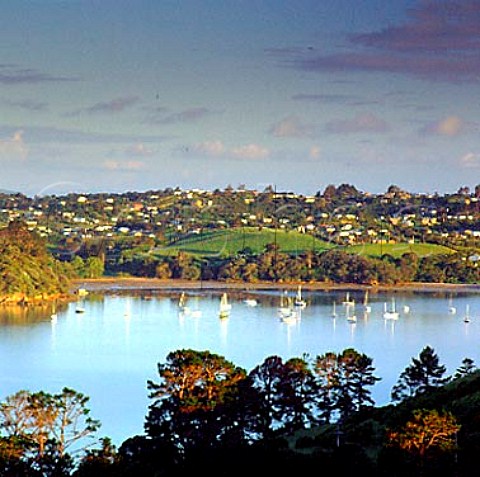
<point>133,283</point>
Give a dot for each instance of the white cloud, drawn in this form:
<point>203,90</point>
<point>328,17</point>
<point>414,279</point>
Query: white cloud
<point>139,149</point>
<point>211,148</point>
<point>290,127</point>
<point>450,126</point>
<point>14,146</point>
<point>218,149</point>
<point>250,151</point>
<point>112,165</point>
<point>470,160</point>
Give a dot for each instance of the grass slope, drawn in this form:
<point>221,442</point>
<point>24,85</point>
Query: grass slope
<point>229,242</point>
<point>398,249</point>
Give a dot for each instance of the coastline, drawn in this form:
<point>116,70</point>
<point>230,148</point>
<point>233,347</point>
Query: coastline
<point>155,284</point>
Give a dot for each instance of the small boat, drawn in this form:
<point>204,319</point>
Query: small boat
<point>406,309</point>
<point>466,318</point>
<point>334,311</point>
<point>285,304</point>
<point>451,309</point>
<point>347,301</point>
<point>366,307</point>
<point>79,309</point>
<point>351,317</point>
<point>290,317</point>
<point>250,302</point>
<point>82,292</point>
<point>391,314</point>
<point>286,310</point>
<point>299,301</point>
<point>225,307</point>
<point>182,304</point>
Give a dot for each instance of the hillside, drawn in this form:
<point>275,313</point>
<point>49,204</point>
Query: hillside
<point>230,242</point>
<point>396,250</point>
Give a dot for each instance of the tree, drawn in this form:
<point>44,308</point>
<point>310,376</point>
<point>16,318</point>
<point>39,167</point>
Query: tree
<point>264,410</point>
<point>427,430</point>
<point>46,422</point>
<point>298,395</point>
<point>423,375</point>
<point>327,371</point>
<point>356,373</point>
<point>343,380</point>
<point>467,367</point>
<point>191,400</point>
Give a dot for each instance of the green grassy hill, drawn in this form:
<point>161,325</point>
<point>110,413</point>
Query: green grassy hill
<point>398,249</point>
<point>230,242</point>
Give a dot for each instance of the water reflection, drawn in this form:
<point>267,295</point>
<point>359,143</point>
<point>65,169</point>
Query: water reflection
<point>114,346</point>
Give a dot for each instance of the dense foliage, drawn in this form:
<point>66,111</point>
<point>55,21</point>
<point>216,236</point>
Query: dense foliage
<point>26,268</point>
<point>330,266</point>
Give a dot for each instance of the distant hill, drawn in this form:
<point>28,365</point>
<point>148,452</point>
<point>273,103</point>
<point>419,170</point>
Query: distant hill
<point>232,241</point>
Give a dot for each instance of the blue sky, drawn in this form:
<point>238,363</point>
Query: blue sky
<point>117,95</point>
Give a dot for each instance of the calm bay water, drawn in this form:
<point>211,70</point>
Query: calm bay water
<point>112,349</point>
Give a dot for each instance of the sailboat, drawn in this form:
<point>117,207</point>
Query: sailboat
<point>334,310</point>
<point>225,307</point>
<point>299,301</point>
<point>466,318</point>
<point>182,304</point>
<point>366,307</point>
<point>451,309</point>
<point>286,309</point>
<point>391,314</point>
<point>351,317</point>
<point>53,316</point>
<point>347,301</point>
<point>79,309</point>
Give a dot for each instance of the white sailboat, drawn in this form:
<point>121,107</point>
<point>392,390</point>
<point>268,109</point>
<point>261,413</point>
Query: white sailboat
<point>366,307</point>
<point>225,307</point>
<point>182,304</point>
<point>286,309</point>
<point>466,318</point>
<point>54,315</point>
<point>334,309</point>
<point>347,301</point>
<point>350,312</point>
<point>299,301</point>
<point>391,314</point>
<point>451,309</point>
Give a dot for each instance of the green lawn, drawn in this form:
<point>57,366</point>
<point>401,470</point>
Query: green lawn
<point>229,242</point>
<point>398,249</point>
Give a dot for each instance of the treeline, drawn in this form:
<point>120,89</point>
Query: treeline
<point>26,268</point>
<point>209,416</point>
<point>333,266</point>
<point>30,273</point>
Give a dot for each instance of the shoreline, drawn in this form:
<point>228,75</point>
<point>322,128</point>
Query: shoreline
<point>156,284</point>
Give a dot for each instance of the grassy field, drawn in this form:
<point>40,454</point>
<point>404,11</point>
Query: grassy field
<point>398,249</point>
<point>229,242</point>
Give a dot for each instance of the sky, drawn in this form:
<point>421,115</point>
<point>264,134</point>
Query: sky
<point>138,95</point>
